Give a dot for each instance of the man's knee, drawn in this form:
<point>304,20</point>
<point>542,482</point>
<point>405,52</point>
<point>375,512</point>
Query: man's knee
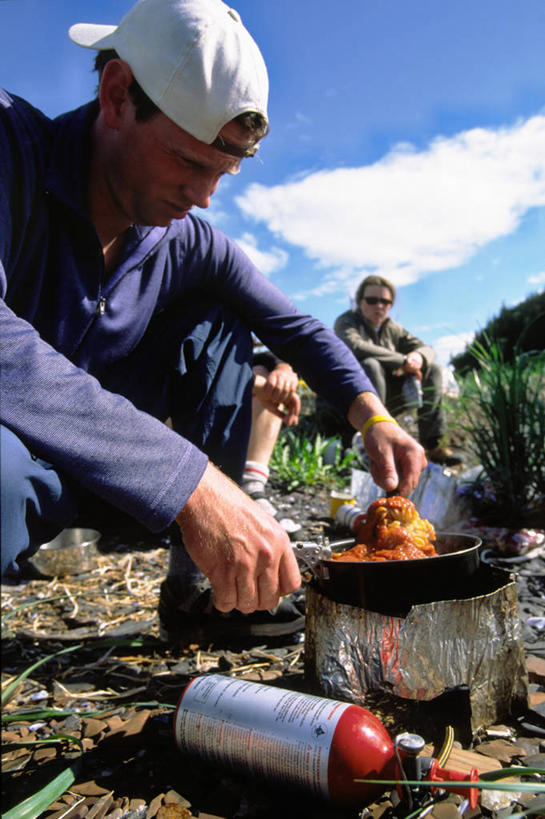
<point>15,460</point>
<point>36,503</point>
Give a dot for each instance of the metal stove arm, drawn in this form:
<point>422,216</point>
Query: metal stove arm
<point>309,556</point>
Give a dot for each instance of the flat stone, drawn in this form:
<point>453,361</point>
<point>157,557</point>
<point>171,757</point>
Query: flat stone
<point>44,753</point>
<point>89,788</point>
<point>172,797</point>
<point>174,811</point>
<point>536,698</point>
<point>535,761</point>
<point>535,666</point>
<point>500,749</point>
<point>92,727</point>
<point>530,745</point>
<point>155,804</point>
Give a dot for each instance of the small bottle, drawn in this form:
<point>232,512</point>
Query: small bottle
<point>412,392</point>
<point>349,516</point>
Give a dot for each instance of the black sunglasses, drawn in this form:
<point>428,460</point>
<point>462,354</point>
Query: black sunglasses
<point>376,300</point>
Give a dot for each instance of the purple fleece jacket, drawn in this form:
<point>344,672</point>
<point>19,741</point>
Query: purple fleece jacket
<point>63,322</point>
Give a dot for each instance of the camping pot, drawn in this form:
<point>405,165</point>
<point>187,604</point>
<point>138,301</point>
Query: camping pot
<point>73,551</point>
<point>392,587</point>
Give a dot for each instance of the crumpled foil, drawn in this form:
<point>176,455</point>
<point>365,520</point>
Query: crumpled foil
<point>438,646</point>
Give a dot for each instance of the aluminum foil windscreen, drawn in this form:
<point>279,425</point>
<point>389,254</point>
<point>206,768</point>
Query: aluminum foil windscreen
<point>438,646</point>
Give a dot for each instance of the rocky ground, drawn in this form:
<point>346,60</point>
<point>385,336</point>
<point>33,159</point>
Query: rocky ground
<point>106,695</point>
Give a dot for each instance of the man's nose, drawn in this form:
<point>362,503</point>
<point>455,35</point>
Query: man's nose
<point>199,190</point>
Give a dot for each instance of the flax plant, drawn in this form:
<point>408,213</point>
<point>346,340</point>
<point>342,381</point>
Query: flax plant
<point>503,413</point>
<point>298,460</point>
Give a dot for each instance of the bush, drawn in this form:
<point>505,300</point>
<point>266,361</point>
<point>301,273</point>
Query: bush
<point>503,413</point>
<point>520,326</point>
<point>298,460</point>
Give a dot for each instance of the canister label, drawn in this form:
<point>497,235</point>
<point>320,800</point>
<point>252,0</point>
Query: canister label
<point>280,734</point>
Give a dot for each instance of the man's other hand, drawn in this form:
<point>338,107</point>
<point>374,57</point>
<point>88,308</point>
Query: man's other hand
<point>242,550</point>
<point>396,459</point>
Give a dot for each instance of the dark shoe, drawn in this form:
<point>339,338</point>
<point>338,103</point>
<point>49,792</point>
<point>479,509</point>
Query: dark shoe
<point>444,455</point>
<point>195,620</point>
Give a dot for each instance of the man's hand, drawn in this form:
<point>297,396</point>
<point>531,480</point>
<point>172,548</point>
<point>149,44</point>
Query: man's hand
<point>396,459</point>
<point>277,391</point>
<point>242,550</point>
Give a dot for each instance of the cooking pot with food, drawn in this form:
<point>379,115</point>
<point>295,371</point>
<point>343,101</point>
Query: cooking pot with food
<point>392,587</point>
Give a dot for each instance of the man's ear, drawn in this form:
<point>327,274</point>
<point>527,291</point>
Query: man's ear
<point>114,92</point>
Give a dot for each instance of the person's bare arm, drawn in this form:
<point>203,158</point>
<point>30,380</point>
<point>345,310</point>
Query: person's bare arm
<point>242,550</point>
<point>396,459</point>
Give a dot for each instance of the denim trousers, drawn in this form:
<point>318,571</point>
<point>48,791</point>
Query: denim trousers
<point>194,370</point>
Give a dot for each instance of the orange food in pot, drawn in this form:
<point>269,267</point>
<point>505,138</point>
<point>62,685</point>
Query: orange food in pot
<point>391,529</point>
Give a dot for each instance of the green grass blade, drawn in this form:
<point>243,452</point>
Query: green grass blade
<point>35,805</point>
<point>33,714</point>
<point>515,770</point>
<point>511,787</point>
<point>9,691</point>
<point>55,739</point>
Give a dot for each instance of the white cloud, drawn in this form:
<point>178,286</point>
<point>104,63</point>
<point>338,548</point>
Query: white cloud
<point>268,261</point>
<point>413,212</point>
<point>447,346</point>
<point>538,278</point>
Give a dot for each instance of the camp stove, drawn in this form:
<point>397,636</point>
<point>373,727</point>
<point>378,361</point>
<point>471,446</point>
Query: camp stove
<point>415,629</point>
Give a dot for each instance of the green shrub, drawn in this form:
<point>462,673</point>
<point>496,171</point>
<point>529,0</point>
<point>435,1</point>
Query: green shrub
<point>515,327</point>
<point>503,413</point>
<point>298,460</point>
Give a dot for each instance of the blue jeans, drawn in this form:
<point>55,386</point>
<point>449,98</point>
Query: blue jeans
<point>196,370</point>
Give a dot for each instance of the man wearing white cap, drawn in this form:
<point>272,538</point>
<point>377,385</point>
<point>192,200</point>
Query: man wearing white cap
<point>122,309</point>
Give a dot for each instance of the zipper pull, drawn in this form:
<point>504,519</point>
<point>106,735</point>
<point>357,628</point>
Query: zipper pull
<point>101,306</point>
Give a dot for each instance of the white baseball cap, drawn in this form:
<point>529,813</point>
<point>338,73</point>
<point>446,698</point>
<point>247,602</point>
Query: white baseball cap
<point>193,58</point>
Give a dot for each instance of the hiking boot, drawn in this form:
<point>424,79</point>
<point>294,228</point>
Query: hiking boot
<point>195,620</point>
<point>444,455</point>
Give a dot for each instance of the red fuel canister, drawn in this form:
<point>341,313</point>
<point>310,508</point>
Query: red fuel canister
<point>311,742</point>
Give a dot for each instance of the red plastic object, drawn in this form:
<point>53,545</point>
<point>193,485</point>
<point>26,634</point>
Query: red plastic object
<point>444,775</point>
<point>361,749</point>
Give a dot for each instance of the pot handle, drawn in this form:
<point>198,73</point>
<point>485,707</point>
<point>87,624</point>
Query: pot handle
<point>309,556</point>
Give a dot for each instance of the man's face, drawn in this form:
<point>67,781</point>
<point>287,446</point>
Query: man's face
<point>157,172</point>
<point>377,311</point>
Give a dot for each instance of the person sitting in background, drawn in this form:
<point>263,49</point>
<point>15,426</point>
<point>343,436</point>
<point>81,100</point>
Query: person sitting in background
<point>389,355</point>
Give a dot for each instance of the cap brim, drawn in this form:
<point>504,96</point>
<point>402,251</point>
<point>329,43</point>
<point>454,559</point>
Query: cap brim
<point>91,35</point>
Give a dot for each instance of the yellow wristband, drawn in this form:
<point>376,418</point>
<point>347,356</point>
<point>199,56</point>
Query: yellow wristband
<point>376,419</point>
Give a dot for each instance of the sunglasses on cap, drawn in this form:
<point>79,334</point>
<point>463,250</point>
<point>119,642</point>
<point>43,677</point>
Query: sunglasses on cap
<point>376,300</point>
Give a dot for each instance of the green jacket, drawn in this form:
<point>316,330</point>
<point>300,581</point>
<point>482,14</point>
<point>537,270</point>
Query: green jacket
<point>389,348</point>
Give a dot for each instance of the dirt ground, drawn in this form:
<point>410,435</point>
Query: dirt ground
<point>109,690</point>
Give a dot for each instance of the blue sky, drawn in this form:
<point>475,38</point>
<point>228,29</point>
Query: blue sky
<point>407,138</point>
